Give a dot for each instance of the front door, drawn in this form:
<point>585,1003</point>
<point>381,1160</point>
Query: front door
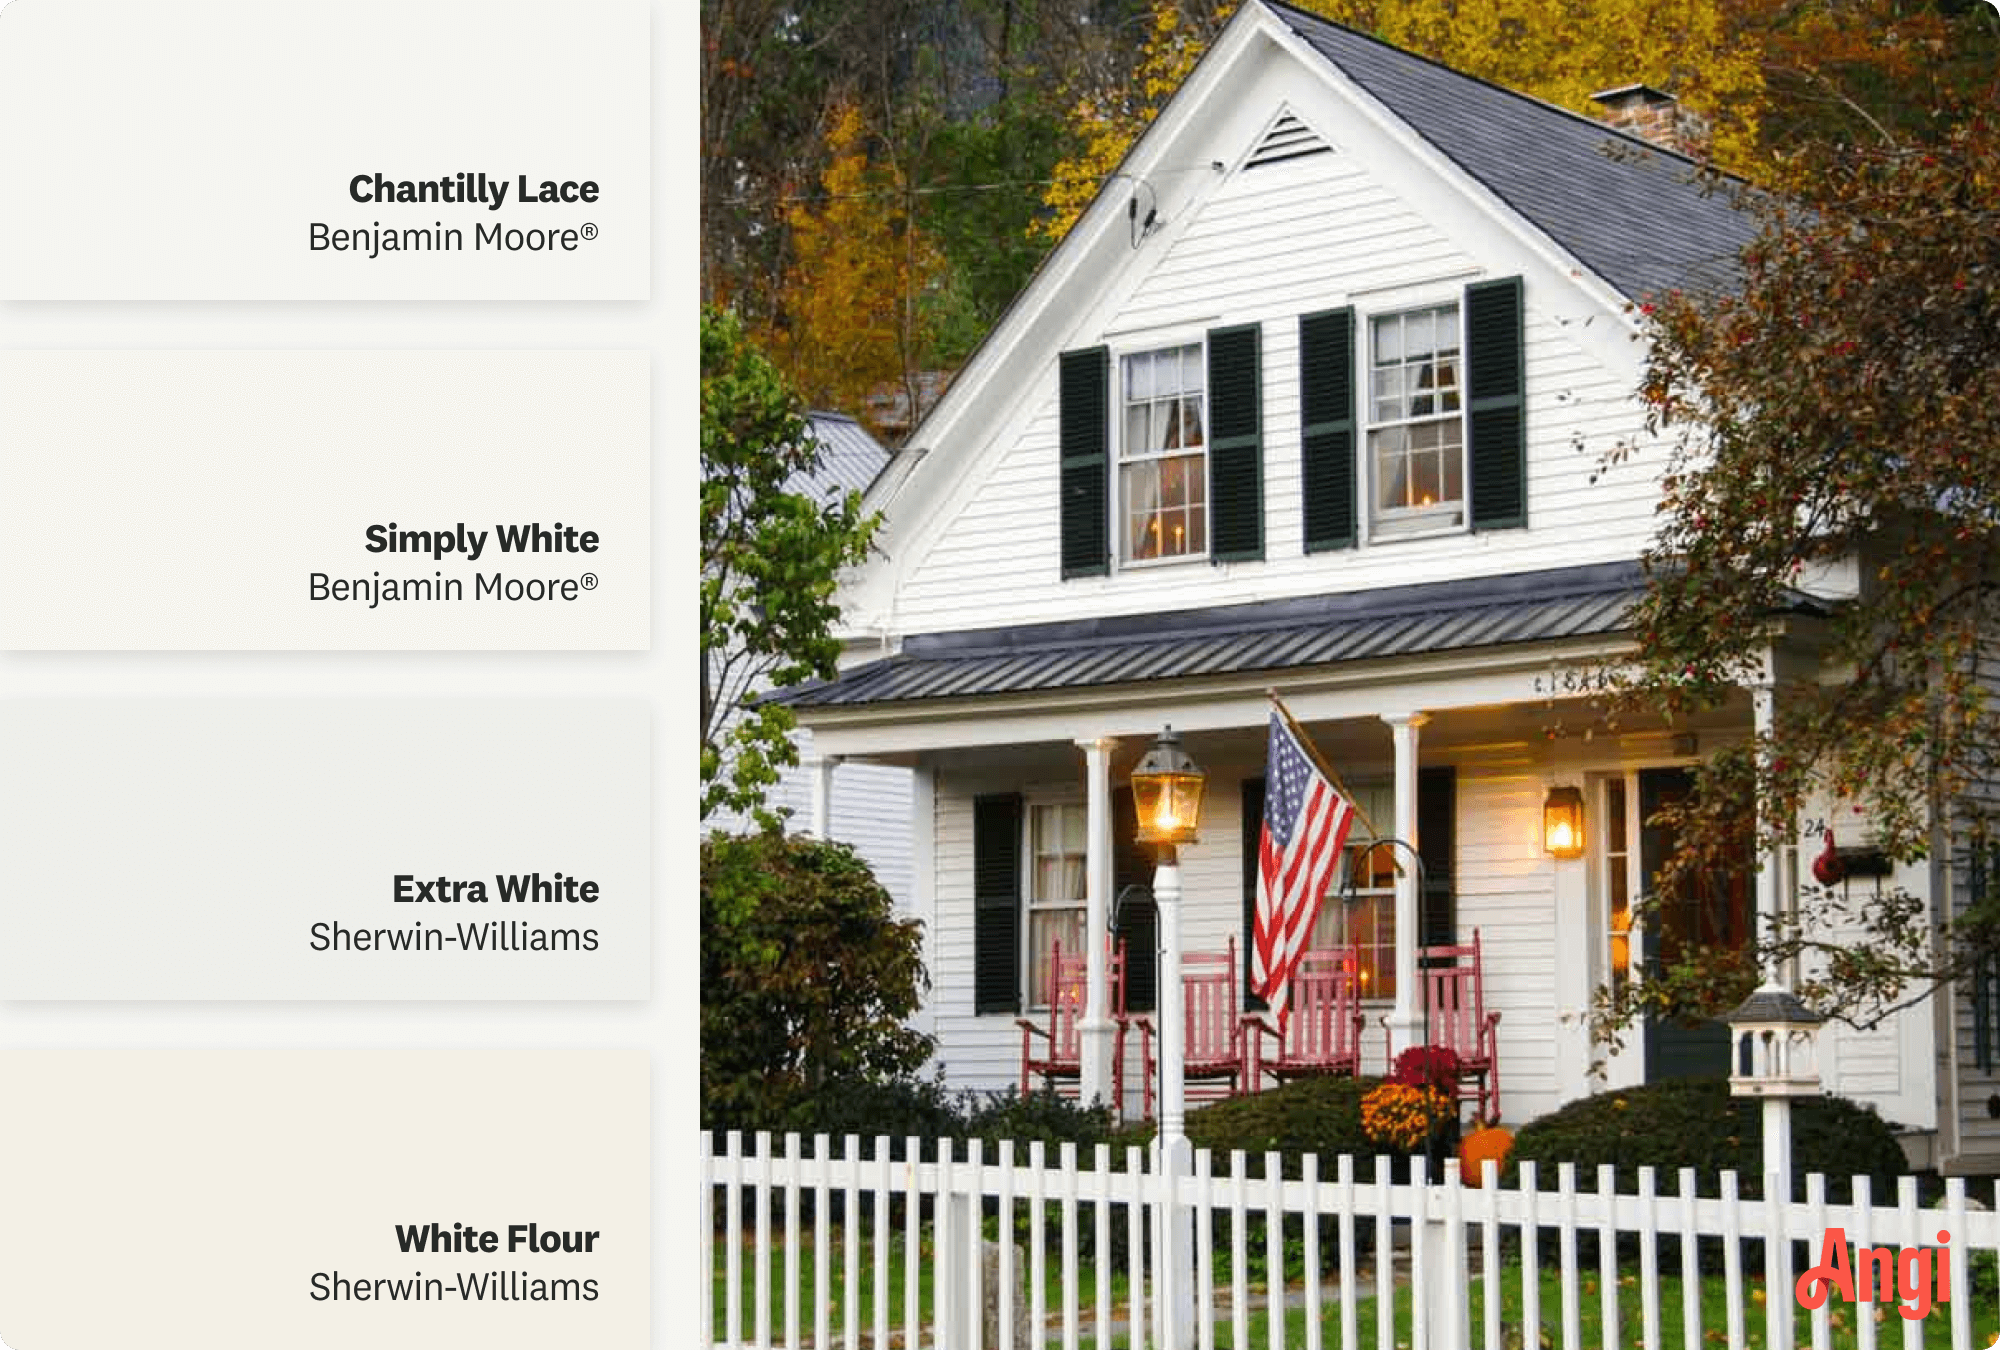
<point>1716,914</point>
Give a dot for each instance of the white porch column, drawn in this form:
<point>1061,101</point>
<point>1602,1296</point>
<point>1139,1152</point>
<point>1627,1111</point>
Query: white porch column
<point>821,768</point>
<point>1096,1029</point>
<point>1406,1020</point>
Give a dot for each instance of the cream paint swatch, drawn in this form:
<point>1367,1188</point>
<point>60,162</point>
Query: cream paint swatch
<point>192,1197</point>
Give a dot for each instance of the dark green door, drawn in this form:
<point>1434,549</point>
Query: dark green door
<point>1716,915</point>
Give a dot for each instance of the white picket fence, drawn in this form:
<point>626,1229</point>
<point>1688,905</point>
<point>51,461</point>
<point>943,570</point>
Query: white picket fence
<point>1443,1241</point>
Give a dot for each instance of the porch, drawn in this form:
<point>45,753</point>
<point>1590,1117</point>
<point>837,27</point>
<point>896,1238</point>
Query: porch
<point>1448,712</point>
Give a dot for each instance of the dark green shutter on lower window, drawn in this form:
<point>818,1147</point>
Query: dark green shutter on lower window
<point>1086,510</point>
<point>1326,407</point>
<point>1495,400</point>
<point>1253,838</point>
<point>1132,890</point>
<point>996,900</point>
<point>1235,445</point>
<point>1437,842</point>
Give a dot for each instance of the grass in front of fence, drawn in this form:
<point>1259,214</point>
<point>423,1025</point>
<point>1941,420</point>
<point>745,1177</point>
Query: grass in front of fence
<point>1713,1305</point>
<point>837,1280</point>
<point>1712,1295</point>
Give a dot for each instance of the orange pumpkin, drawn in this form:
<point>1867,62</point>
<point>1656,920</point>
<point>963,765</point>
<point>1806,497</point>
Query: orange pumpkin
<point>1488,1141</point>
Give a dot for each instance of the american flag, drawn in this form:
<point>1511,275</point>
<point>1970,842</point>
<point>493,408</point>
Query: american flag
<point>1305,826</point>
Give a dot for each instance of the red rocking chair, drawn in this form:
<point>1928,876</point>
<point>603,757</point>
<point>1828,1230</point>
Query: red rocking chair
<point>1215,1049</point>
<point>1321,1033</point>
<point>1454,1007</point>
<point>1059,1056</point>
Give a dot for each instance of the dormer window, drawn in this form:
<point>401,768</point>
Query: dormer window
<point>1416,421</point>
<point>1163,455</point>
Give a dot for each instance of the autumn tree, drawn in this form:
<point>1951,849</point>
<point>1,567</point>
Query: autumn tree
<point>1107,118</point>
<point>1842,405</point>
<point>852,303</point>
<point>772,551</point>
<point>1561,52</point>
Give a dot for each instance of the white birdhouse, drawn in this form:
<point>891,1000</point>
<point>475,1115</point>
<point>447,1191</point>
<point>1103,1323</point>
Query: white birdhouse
<point>1773,1046</point>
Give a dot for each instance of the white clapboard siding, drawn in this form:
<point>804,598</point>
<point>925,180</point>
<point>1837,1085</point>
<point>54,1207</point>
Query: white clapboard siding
<point>1973,1088</point>
<point>1270,245</point>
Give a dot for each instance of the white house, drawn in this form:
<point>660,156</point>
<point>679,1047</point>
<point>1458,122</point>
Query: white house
<point>1313,399</point>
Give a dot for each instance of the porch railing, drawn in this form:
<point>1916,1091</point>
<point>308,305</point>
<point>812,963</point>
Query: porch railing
<point>960,1246</point>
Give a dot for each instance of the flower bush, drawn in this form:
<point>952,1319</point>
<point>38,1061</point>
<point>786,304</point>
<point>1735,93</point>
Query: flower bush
<point>1432,1066</point>
<point>1402,1115</point>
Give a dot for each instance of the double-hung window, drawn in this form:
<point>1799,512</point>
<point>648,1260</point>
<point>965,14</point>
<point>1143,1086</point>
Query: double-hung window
<point>1416,420</point>
<point>1058,856</point>
<point>1163,454</point>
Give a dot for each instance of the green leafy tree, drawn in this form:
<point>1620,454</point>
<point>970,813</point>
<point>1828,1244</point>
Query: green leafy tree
<point>807,978</point>
<point>771,555</point>
<point>1842,403</point>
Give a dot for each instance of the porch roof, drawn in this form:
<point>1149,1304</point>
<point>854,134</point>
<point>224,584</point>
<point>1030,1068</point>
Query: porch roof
<point>1272,635</point>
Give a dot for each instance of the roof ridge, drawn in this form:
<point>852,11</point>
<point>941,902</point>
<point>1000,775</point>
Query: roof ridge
<point>1283,9</point>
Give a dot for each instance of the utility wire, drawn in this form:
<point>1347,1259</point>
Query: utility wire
<point>790,198</point>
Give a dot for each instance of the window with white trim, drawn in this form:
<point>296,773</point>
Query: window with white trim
<point>1163,454</point>
<point>1416,421</point>
<point>1058,848</point>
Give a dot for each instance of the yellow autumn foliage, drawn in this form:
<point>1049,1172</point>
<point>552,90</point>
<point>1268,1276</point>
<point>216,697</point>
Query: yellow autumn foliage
<point>1560,51</point>
<point>850,297</point>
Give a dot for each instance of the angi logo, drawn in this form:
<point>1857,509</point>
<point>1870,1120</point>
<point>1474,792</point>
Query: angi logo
<point>1879,1274</point>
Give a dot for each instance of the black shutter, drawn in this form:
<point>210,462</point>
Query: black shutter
<point>1253,834</point>
<point>1132,888</point>
<point>1437,823</point>
<point>1495,388</point>
<point>1235,445</point>
<point>1086,385</point>
<point>996,901</point>
<point>1326,405</point>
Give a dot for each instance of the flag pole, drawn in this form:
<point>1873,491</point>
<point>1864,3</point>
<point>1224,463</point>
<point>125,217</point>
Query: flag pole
<point>1319,761</point>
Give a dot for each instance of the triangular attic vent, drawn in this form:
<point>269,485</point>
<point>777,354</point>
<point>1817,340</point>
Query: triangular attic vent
<point>1288,138</point>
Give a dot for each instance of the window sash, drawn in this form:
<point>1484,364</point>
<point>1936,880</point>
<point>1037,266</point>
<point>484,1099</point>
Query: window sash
<point>1058,872</point>
<point>1399,376</point>
<point>1165,389</point>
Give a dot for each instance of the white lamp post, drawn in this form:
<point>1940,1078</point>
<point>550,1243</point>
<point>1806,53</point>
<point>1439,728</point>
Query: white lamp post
<point>1167,787</point>
<point>1773,1054</point>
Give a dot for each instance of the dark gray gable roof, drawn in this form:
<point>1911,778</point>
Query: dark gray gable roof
<point>1637,218</point>
<point>1271,635</point>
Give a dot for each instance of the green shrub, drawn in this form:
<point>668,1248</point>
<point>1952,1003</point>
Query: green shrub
<point>807,979</point>
<point>1045,1116</point>
<point>1696,1123</point>
<point>1308,1115</point>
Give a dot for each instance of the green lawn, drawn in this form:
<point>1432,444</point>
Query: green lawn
<point>1889,1330</point>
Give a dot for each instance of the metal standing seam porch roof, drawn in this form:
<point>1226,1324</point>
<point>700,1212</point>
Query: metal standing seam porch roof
<point>1273,635</point>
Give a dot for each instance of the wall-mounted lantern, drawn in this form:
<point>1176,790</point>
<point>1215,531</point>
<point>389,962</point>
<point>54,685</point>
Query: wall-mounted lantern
<point>1562,822</point>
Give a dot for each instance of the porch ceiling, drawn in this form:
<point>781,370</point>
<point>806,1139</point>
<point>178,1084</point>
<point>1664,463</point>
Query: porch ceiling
<point>1312,631</point>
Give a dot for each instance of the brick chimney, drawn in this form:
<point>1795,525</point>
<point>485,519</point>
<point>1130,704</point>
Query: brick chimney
<point>1656,117</point>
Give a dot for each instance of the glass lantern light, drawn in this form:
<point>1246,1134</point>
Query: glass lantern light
<point>1167,788</point>
<point>1562,822</point>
